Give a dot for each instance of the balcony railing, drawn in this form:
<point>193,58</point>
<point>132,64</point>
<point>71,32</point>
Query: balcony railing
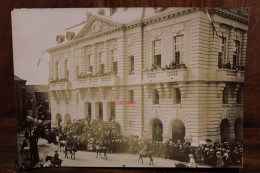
<point>230,75</point>
<point>173,75</point>
<point>229,66</point>
<point>98,81</point>
<point>54,86</point>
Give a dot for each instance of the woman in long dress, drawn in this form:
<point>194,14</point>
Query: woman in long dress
<point>220,162</point>
<point>192,163</point>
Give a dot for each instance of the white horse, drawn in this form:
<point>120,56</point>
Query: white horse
<point>26,151</point>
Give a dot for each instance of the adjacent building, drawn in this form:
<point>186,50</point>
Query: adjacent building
<point>181,68</point>
<point>20,100</point>
<point>37,99</point>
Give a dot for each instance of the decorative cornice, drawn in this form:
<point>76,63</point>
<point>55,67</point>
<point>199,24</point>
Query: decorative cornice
<point>229,14</point>
<point>151,20</point>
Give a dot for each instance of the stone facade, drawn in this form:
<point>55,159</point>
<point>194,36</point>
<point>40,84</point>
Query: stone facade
<point>184,73</point>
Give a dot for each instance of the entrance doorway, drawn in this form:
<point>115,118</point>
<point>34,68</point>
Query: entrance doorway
<point>225,130</point>
<point>157,130</point>
<point>238,129</point>
<point>178,131</point>
<point>58,120</point>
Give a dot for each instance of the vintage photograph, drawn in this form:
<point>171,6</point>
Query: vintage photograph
<point>130,87</point>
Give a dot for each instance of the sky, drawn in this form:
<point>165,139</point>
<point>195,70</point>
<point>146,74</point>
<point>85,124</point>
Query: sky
<point>35,30</point>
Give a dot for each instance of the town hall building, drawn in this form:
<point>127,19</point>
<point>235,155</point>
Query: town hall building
<point>171,73</point>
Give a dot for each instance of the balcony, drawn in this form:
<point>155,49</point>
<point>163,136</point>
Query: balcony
<point>56,86</point>
<point>173,75</point>
<point>230,75</point>
<point>99,81</point>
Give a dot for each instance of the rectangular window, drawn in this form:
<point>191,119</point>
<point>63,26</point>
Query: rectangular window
<point>222,50</point>
<point>156,97</point>
<point>177,96</point>
<point>225,96</point>
<point>131,95</point>
<point>88,63</point>
<point>239,96</point>
<point>157,60</point>
<point>178,49</point>
<point>91,69</point>
<point>157,52</point>
<point>89,109</point>
<point>57,70</point>
<point>177,57</point>
<point>113,55</point>
<point>102,68</point>
<point>236,53</point>
<point>115,68</point>
<point>100,62</point>
<point>132,63</point>
<point>66,70</point>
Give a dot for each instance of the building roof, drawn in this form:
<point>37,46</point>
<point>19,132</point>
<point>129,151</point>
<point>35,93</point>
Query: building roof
<point>16,78</point>
<point>121,17</point>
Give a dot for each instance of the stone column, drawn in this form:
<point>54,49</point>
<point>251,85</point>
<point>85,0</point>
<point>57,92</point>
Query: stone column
<point>165,137</point>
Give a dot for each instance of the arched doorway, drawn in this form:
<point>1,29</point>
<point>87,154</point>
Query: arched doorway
<point>67,119</point>
<point>225,130</point>
<point>58,119</point>
<point>178,131</point>
<point>157,130</point>
<point>238,129</point>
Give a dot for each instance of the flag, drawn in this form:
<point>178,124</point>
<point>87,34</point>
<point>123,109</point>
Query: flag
<point>212,24</point>
<point>39,60</point>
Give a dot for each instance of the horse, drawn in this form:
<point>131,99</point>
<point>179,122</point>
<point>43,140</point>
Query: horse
<point>47,164</point>
<point>72,150</point>
<point>145,154</point>
<point>62,144</point>
<point>26,151</point>
<point>100,149</point>
<point>50,158</point>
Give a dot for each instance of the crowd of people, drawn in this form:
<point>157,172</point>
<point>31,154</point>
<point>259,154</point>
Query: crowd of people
<point>84,136</point>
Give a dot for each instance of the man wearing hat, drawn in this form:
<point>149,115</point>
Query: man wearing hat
<point>55,157</point>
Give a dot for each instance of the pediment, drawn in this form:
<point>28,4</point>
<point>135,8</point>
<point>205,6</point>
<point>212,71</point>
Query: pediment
<point>97,25</point>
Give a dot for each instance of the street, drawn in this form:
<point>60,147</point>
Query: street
<point>88,159</point>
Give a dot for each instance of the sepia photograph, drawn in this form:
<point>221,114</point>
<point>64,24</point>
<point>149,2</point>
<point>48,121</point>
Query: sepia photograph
<point>130,87</point>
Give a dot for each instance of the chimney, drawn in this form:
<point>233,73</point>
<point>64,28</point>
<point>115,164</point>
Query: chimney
<point>112,11</point>
<point>101,12</point>
<point>88,15</point>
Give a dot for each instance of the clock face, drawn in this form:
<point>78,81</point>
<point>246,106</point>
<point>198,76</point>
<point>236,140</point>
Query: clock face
<point>97,26</point>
